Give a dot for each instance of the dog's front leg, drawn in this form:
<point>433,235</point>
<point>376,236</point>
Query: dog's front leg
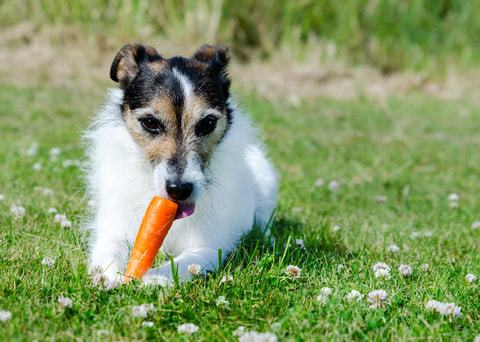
<point>106,261</point>
<point>205,257</point>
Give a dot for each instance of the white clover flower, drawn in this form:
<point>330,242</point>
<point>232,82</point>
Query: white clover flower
<point>453,197</point>
<point>424,267</point>
<point>63,220</point>
<point>142,311</point>
<point>66,224</point>
<point>453,200</point>
<point>477,338</point>
<point>325,292</point>
<point>450,309</point>
<point>293,271</point>
<point>17,211</point>
<point>336,228</point>
<point>475,225</point>
<point>59,218</point>
<point>147,324</point>
<point>319,182</point>
<point>187,328</point>
<point>52,210</point>
<point>381,199</point>
<point>377,298</point>
<point>32,150</point>
<point>226,279</point>
<point>5,315</point>
<point>255,336</point>
<point>194,269</point>
<point>382,273</point>
<point>393,248</point>
<point>354,295</point>
<point>470,277</point>
<point>444,309</point>
<point>2,197</point>
<point>48,261</point>
<point>405,270</point>
<point>221,301</point>
<point>334,185</point>
<point>433,305</point>
<point>299,243</point>
<point>381,266</point>
<point>55,151</point>
<point>239,331</point>
<point>381,270</point>
<point>65,302</point>
<point>37,166</point>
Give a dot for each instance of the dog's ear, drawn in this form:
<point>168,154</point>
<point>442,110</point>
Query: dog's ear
<point>216,56</point>
<point>129,60</point>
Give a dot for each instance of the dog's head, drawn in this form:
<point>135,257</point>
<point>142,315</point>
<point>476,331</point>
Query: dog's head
<point>176,111</point>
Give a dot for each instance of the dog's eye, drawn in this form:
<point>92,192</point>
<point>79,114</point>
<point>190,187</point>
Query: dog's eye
<point>206,125</point>
<point>152,125</point>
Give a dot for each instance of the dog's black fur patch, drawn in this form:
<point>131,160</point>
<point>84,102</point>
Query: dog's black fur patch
<point>206,70</point>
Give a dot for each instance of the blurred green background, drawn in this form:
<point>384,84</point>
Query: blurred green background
<point>389,34</point>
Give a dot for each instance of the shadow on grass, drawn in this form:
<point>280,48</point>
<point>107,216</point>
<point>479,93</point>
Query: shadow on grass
<point>280,244</point>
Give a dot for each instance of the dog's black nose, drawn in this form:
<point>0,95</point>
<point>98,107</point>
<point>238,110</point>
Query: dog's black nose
<point>178,190</point>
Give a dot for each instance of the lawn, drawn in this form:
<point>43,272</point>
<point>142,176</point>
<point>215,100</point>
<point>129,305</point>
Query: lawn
<point>357,176</point>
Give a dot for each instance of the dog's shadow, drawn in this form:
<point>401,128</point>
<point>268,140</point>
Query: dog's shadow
<point>280,242</point>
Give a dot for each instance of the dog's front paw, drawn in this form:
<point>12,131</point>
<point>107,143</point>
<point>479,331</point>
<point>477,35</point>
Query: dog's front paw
<point>154,278</point>
<point>104,279</point>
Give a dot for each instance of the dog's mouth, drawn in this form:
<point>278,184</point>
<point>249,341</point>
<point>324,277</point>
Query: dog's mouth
<point>185,209</point>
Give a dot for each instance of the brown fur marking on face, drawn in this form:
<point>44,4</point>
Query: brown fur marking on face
<point>168,144</point>
<point>159,147</point>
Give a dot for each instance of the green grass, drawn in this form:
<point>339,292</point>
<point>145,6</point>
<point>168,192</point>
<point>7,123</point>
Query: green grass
<point>371,147</point>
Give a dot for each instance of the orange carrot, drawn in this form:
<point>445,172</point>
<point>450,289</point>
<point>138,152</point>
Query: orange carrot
<point>156,222</point>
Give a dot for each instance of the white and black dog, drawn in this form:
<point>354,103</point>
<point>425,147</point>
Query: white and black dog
<point>172,130</point>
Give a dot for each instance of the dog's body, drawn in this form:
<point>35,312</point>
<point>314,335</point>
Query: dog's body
<point>171,130</point>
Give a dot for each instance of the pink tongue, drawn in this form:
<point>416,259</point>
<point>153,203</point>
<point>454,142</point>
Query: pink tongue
<point>185,210</point>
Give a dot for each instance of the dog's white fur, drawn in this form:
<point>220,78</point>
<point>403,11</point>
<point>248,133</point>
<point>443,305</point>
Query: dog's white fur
<point>242,190</point>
